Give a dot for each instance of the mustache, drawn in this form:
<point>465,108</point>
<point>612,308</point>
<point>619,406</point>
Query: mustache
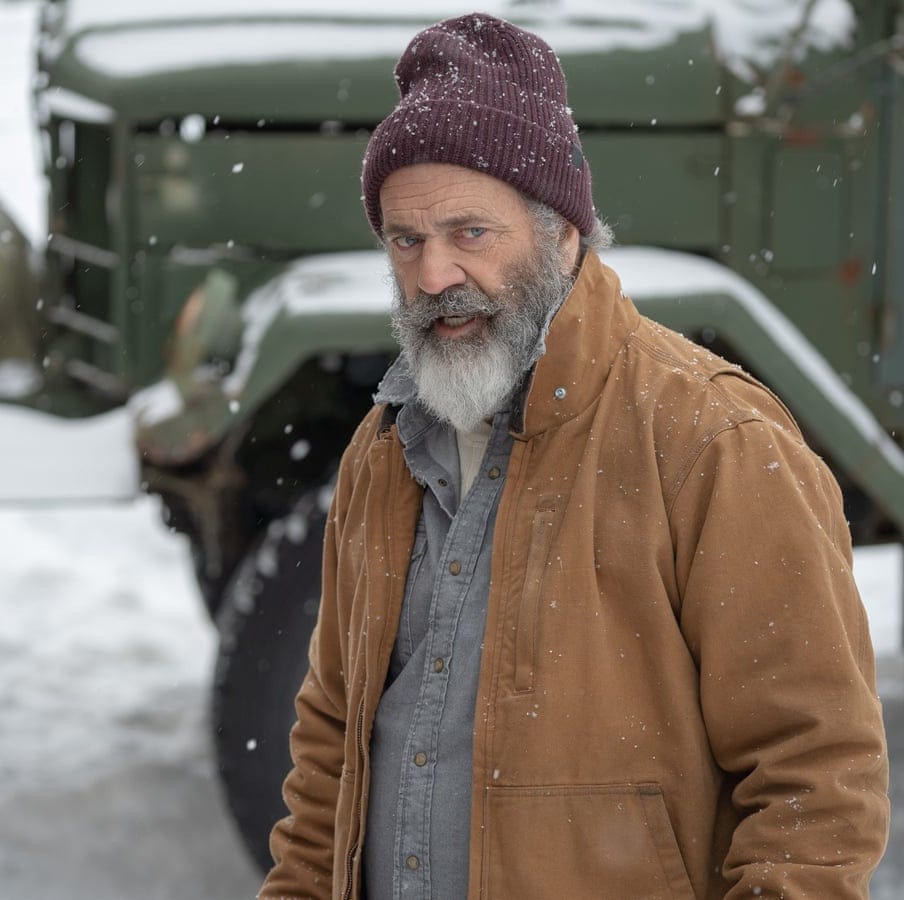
<point>425,309</point>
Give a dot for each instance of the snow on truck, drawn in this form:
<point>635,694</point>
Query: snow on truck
<point>208,262</point>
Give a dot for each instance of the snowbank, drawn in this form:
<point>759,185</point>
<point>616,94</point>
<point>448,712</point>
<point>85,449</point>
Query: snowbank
<point>43,458</point>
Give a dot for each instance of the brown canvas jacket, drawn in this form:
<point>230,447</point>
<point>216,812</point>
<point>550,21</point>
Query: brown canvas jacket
<point>677,694</point>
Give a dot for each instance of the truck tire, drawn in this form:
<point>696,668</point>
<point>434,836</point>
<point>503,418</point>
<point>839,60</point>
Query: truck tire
<point>265,621</point>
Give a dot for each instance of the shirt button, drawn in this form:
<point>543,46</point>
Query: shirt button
<point>438,665</point>
<point>455,567</point>
<point>412,862</point>
<point>420,759</point>
<point>494,473</point>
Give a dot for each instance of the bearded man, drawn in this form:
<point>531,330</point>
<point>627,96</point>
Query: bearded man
<point>588,624</point>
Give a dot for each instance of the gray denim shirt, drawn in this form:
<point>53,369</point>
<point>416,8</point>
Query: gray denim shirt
<point>418,820</point>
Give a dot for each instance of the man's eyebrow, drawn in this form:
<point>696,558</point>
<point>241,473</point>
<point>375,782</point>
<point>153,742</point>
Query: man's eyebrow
<point>466,219</point>
<point>396,228</point>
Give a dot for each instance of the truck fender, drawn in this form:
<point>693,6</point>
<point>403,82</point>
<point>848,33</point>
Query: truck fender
<point>331,304</point>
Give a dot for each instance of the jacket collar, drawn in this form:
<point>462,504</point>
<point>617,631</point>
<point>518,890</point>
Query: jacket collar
<point>584,339</point>
<point>581,345</point>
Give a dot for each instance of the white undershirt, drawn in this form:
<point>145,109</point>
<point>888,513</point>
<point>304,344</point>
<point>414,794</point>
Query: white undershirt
<point>471,447</point>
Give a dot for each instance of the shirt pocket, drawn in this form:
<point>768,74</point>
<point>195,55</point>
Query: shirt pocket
<point>581,841</point>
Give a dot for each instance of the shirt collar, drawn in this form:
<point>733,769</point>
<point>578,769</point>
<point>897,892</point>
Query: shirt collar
<point>397,387</point>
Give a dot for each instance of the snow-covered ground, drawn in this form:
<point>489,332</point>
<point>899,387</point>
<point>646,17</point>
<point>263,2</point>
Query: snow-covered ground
<point>108,790</point>
<point>106,777</point>
<point>107,785</point>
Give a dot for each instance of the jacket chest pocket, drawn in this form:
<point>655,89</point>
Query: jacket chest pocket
<point>544,529</point>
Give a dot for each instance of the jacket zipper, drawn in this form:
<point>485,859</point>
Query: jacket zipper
<point>350,855</point>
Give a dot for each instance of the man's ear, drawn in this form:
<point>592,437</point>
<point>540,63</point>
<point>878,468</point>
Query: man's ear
<point>570,246</point>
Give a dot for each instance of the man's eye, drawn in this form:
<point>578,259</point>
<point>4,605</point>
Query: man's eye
<point>474,231</point>
<point>405,241</point>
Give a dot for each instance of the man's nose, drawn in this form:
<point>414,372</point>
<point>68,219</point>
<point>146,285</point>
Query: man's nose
<point>438,268</point>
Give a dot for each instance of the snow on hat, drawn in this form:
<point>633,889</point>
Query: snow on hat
<point>479,92</point>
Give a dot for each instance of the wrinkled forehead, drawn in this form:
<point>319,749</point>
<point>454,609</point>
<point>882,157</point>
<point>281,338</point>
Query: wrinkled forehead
<point>442,192</point>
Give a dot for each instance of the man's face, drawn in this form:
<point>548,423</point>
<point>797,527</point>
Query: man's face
<point>446,226</point>
<point>475,285</point>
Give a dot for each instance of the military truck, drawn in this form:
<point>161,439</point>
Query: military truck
<point>208,262</point>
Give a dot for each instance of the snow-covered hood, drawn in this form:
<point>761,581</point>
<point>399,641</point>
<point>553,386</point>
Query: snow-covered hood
<point>662,59</point>
<point>748,33</point>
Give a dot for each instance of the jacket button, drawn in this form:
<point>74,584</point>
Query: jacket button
<point>438,665</point>
<point>494,473</point>
<point>443,482</point>
<point>420,759</point>
<point>560,393</point>
<point>455,567</point>
<point>412,862</point>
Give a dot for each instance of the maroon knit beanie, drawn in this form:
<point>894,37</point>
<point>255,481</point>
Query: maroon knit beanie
<point>479,92</point>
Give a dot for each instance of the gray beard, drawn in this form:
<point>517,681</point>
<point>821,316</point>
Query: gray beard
<point>462,381</point>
